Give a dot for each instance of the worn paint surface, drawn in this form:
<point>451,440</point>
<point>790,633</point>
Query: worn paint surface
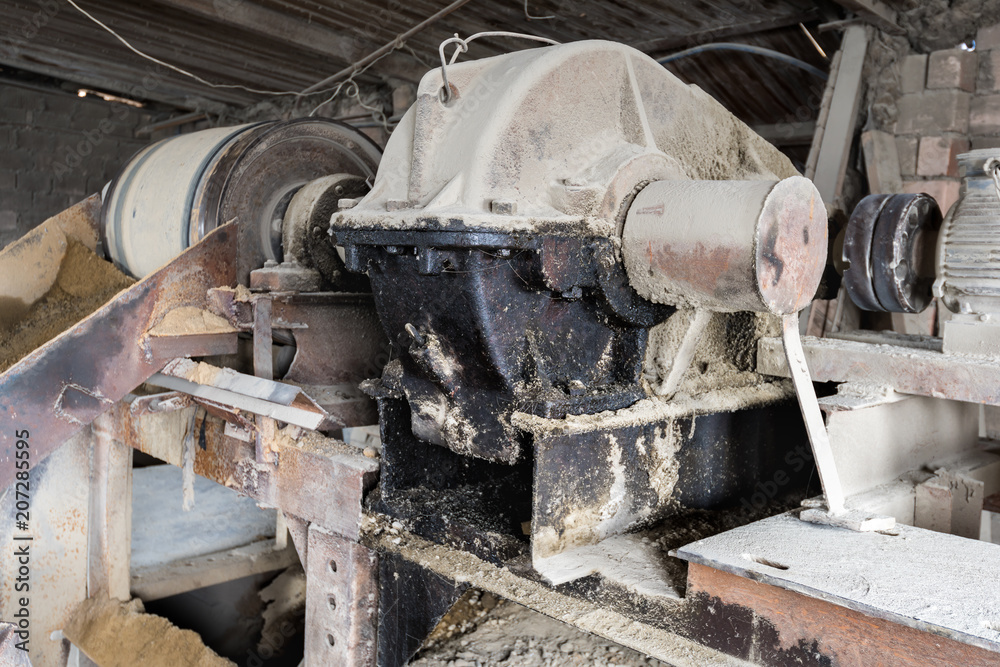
<point>772,626</point>
<point>60,387</point>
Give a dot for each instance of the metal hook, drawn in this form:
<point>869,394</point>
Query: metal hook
<point>463,46</point>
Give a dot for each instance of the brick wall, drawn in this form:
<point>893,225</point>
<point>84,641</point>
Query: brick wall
<point>55,149</point>
<point>950,104</point>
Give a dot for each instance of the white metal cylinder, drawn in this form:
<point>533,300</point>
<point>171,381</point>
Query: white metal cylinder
<point>727,245</point>
<point>147,210</point>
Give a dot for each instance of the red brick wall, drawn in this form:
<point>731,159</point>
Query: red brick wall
<point>950,104</point>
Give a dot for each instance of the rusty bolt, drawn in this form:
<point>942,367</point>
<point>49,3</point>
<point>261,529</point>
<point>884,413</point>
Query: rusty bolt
<point>503,207</point>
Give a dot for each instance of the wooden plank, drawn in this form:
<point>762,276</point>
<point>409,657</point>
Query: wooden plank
<point>897,578</point>
<point>110,517</point>
<point>838,134</point>
<point>164,532</point>
<point>788,134</point>
<point>874,12</point>
<point>303,34</point>
<point>165,579</point>
<point>881,162</point>
<point>776,621</point>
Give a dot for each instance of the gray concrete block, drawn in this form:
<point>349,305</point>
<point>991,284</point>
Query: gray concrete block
<point>988,38</point>
<point>953,68</point>
<point>985,142</point>
<point>36,182</point>
<point>12,114</point>
<point>8,220</point>
<point>988,79</point>
<point>906,149</point>
<point>45,205</point>
<point>914,74</point>
<point>18,160</point>
<point>934,111</point>
<point>37,140</point>
<point>984,115</point>
<point>16,200</point>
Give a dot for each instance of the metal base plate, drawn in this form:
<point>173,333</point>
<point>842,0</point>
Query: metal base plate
<point>933,582</point>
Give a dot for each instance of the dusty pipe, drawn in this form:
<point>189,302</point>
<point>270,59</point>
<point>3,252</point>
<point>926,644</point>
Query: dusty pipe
<point>727,245</point>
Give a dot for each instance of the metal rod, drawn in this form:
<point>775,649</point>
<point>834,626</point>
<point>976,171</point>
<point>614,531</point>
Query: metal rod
<point>699,320</point>
<point>819,439</point>
<point>400,38</point>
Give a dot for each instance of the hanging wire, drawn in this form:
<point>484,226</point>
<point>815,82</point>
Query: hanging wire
<point>174,67</point>
<point>745,48</point>
<point>528,15</point>
<point>463,46</point>
<point>298,94</point>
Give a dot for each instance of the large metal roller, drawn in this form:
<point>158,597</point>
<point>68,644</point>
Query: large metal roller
<point>171,194</point>
<point>727,245</point>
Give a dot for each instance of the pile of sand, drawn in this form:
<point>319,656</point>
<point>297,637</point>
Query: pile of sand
<point>120,634</point>
<point>85,283</point>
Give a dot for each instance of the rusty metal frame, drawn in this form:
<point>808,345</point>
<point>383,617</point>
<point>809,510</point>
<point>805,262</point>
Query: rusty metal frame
<point>56,390</point>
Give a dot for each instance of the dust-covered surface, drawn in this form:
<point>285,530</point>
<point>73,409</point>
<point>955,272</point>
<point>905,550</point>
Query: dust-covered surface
<point>85,283</point>
<point>927,580</point>
<point>120,634</point>
<point>654,632</point>
<point>513,635</point>
<point>759,393</point>
<point>724,359</point>
<point>188,320</point>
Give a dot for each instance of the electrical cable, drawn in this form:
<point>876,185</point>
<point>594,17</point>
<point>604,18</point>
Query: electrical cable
<point>745,48</point>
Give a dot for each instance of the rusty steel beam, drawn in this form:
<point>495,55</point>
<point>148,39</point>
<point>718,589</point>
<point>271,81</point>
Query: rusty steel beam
<point>341,601</point>
<point>780,627</point>
<point>908,370</point>
<point>317,479</point>
<point>62,386</point>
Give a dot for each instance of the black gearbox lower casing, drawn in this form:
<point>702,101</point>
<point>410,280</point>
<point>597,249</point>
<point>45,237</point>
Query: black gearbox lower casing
<point>485,324</point>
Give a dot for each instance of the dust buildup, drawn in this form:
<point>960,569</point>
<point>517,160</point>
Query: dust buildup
<point>85,283</point>
<point>190,320</point>
<point>119,634</point>
<point>725,359</point>
<point>513,635</point>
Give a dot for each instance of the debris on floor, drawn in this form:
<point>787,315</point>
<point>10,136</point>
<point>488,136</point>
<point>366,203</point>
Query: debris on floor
<point>505,633</point>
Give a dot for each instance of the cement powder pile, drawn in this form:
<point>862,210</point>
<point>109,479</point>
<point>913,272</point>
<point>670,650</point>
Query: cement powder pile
<point>85,283</point>
<point>510,634</point>
<point>120,634</point>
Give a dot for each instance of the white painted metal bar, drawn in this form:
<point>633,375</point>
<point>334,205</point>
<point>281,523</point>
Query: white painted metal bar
<point>811,414</point>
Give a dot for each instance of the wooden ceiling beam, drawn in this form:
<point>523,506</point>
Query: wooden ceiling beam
<point>674,42</point>
<point>875,12</point>
<point>299,34</point>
